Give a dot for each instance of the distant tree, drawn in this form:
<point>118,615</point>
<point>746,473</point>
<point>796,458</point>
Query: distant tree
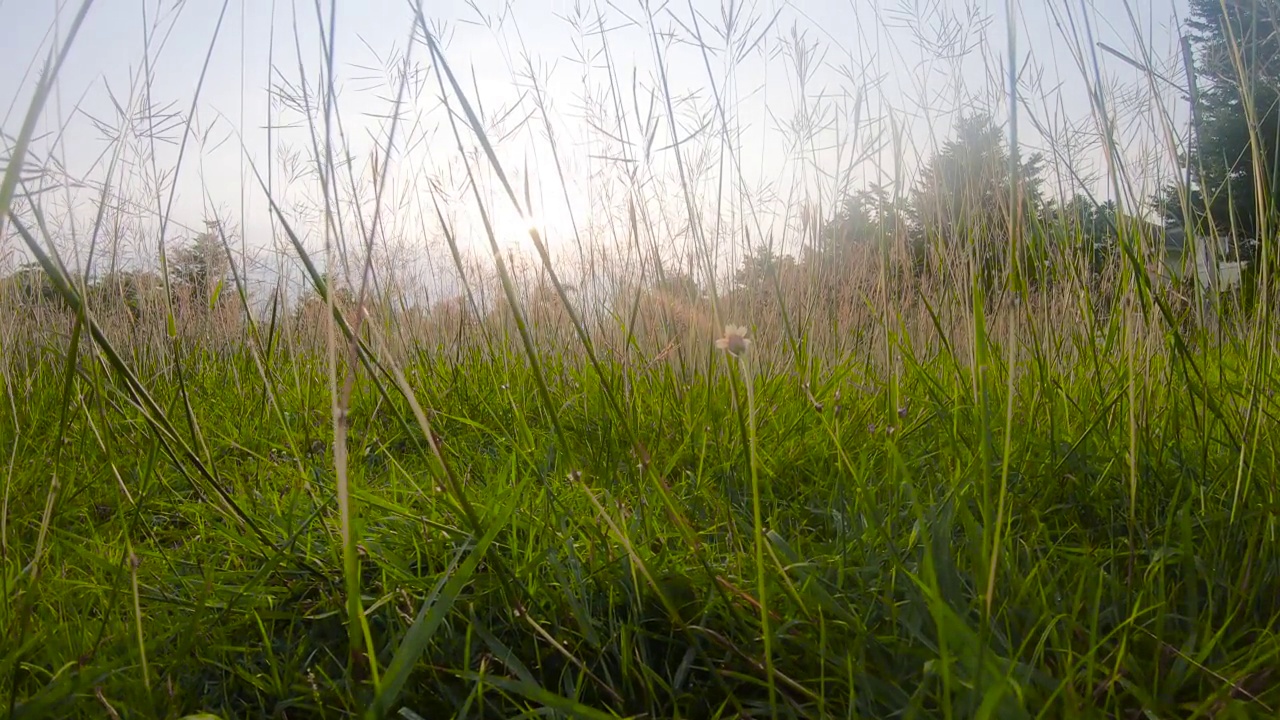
<point>29,286</point>
<point>866,216</point>
<point>866,222</point>
<point>961,202</point>
<point>965,195</point>
<point>131,292</point>
<point>1237,66</point>
<point>760,268</point>
<point>679,285</point>
<point>668,305</point>
<point>1089,227</point>
<point>200,269</point>
<point>965,189</point>
<point>312,307</point>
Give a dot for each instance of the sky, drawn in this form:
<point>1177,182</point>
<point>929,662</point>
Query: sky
<point>810,86</point>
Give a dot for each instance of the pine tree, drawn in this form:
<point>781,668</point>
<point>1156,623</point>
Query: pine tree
<point>1237,67</point>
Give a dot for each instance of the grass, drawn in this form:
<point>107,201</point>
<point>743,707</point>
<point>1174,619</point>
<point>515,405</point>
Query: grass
<point>591,596</point>
<point>918,493</point>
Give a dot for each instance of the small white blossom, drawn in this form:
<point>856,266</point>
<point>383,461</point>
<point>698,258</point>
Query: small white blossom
<point>735,340</point>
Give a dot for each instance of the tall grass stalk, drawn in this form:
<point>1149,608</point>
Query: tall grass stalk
<point>747,417</point>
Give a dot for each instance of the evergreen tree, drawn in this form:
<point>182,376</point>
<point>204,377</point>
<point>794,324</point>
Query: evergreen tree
<point>965,190</point>
<point>866,216</point>
<point>961,201</point>
<point>1237,67</point>
<point>961,205</point>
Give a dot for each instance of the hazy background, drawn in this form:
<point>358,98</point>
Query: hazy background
<point>822,97</point>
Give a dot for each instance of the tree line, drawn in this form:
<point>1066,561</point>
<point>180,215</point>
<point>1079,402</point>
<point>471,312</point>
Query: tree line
<point>198,273</point>
<point>962,198</point>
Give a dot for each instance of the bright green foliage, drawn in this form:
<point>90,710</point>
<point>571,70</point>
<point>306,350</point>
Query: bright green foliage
<point>873,566</point>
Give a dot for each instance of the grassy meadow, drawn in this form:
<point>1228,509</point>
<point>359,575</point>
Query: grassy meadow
<point>965,465</point>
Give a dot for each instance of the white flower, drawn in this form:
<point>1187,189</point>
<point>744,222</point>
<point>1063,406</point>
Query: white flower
<point>735,340</point>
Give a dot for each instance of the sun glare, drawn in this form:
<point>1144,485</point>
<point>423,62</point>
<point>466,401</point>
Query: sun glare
<point>512,227</point>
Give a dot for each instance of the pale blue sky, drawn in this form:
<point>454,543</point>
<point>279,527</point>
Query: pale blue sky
<point>873,46</point>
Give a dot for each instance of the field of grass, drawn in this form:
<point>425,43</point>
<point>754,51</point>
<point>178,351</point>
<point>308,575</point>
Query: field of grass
<point>912,561</point>
<point>195,562</point>
<point>1095,543</point>
<point>917,491</point>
